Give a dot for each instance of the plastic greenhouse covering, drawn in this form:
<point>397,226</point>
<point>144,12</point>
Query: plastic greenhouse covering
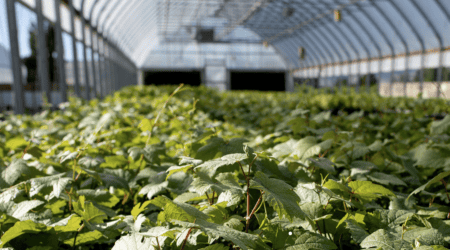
<point>113,40</point>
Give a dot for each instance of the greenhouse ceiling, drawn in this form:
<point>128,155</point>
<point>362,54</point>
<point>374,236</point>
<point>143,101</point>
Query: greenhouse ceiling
<point>327,31</point>
<point>365,29</point>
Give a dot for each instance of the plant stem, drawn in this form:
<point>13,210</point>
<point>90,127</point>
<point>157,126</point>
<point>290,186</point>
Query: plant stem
<point>243,172</point>
<point>159,113</point>
<point>446,192</point>
<point>157,241</point>
<point>207,196</point>
<point>185,239</point>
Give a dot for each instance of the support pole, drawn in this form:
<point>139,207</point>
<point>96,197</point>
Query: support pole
<point>42,54</point>
<point>60,50</point>
<point>76,72</point>
<point>19,97</point>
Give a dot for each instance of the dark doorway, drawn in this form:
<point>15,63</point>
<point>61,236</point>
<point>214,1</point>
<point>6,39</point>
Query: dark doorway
<point>264,81</point>
<point>192,78</point>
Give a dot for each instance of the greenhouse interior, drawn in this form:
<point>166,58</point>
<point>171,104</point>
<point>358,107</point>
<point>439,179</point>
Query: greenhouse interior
<point>91,48</point>
<point>224,124</point>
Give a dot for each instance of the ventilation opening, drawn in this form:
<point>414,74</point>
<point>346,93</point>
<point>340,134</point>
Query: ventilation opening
<point>192,78</point>
<point>264,81</point>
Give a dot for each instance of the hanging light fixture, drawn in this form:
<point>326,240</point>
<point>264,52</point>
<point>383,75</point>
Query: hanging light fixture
<point>301,53</point>
<point>288,10</point>
<point>337,15</point>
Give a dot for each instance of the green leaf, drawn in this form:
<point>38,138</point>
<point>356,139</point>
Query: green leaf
<point>58,182</point>
<point>134,242</point>
<point>210,167</point>
<point>20,228</point>
<point>386,179</point>
<point>175,169</point>
<point>84,238</point>
<point>139,208</point>
<point>240,239</point>
<point>115,161</point>
<point>358,233</point>
<point>177,211</point>
<point>88,211</point>
<point>215,247</point>
<point>435,179</point>
<point>69,224</point>
<point>424,236</point>
<point>15,143</point>
<point>385,240</point>
<point>145,125</point>
<point>218,147</point>
<point>279,195</point>
<point>153,189</point>
<point>23,208</point>
<point>440,127</point>
<point>305,240</point>
<point>366,190</point>
<point>14,171</point>
<point>324,164</point>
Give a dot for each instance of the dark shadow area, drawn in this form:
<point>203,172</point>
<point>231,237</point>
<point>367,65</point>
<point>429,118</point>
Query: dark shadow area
<point>263,81</point>
<point>192,78</point>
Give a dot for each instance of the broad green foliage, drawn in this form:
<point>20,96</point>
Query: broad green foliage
<point>154,168</point>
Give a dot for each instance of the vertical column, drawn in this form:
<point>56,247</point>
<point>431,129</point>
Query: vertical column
<point>102,68</point>
<point>422,59</point>
<point>87,87</point>
<point>140,74</point>
<point>439,73</point>
<point>76,72</point>
<point>93,61</point>
<point>289,81</point>
<point>19,97</point>
<point>60,50</point>
<point>42,54</point>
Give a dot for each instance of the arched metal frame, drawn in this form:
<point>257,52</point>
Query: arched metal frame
<point>328,43</point>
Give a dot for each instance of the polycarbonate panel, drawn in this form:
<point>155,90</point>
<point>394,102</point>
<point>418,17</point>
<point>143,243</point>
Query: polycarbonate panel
<point>403,26</point>
<point>6,74</point>
<point>99,9</point>
<point>30,3</point>
<point>65,18</point>
<point>438,18</point>
<point>48,9</point>
<point>77,4</point>
<point>88,4</point>
<point>87,36</point>
<point>78,29</point>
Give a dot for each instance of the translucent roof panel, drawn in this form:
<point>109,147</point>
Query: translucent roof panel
<point>367,30</point>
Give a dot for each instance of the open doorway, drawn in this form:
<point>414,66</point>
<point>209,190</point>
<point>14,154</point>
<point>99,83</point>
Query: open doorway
<point>263,81</point>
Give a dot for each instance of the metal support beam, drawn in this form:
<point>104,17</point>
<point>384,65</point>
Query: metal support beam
<point>42,55</point>
<point>19,98</point>
<point>76,72</point>
<point>91,31</point>
<point>60,51</point>
<point>440,44</point>
<point>87,87</point>
<point>256,6</point>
